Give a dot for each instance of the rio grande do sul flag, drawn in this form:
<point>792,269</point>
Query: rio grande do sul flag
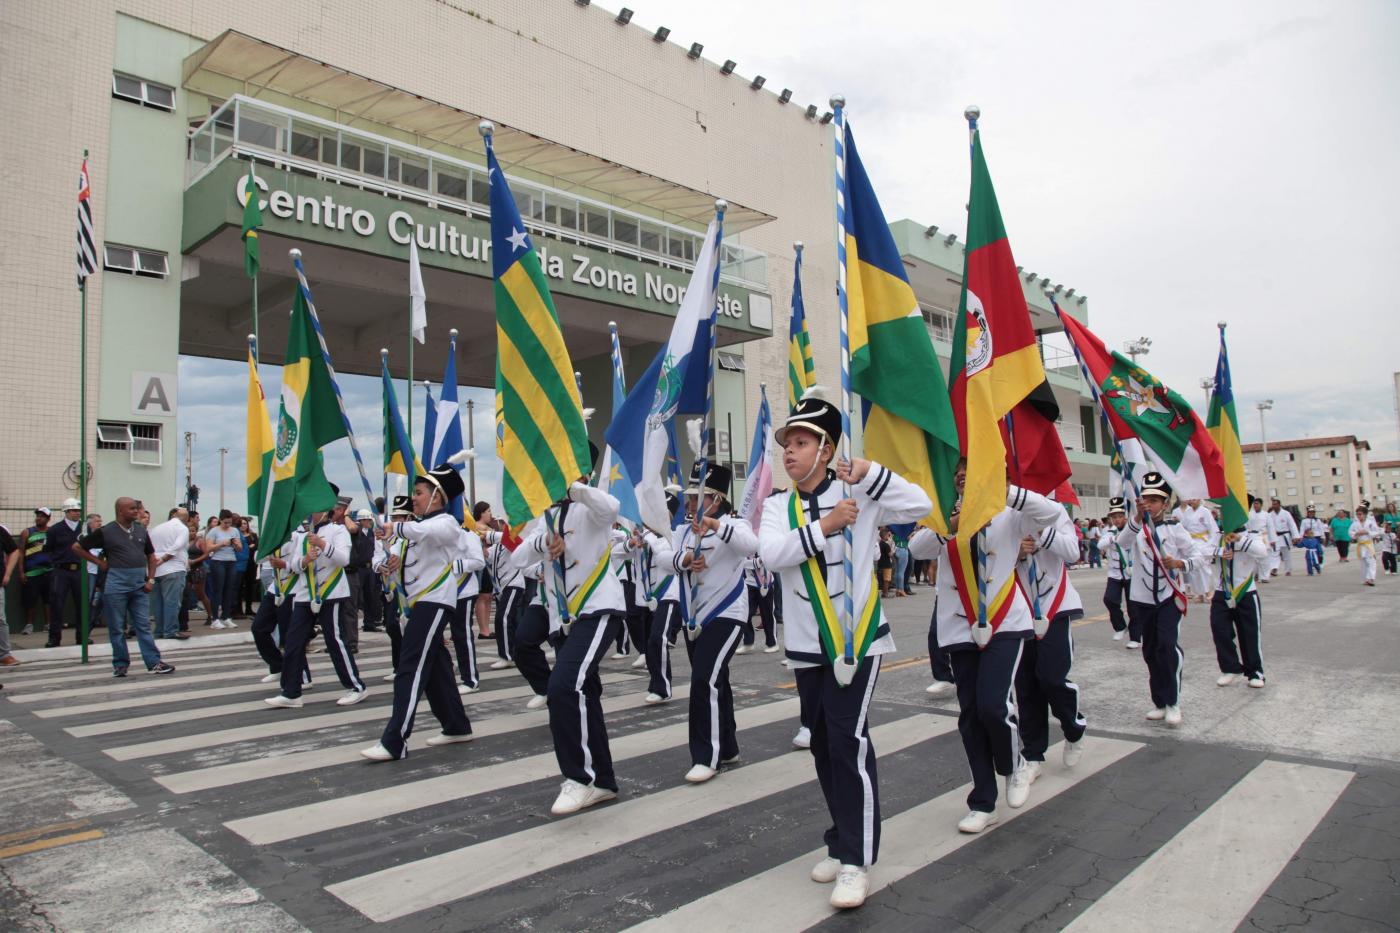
<point>1155,427</point>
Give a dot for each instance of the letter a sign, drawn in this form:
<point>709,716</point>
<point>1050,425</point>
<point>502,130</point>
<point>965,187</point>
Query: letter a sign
<point>153,394</point>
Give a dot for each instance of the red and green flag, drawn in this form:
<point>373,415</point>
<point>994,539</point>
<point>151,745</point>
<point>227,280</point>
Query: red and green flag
<point>1224,427</point>
<point>995,362</point>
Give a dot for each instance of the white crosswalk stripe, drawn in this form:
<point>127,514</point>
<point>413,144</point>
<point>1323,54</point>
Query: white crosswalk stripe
<point>418,885</point>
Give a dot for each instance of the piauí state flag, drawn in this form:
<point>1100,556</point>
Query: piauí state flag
<point>802,372</point>
<point>910,431</point>
<point>612,475</point>
<point>1154,426</point>
<point>995,361</point>
<point>543,440</point>
<point>1224,427</point>
<point>309,419</point>
<point>260,443</point>
<point>252,220</point>
<point>398,448</point>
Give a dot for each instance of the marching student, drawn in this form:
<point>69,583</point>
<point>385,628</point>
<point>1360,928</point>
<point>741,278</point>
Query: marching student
<point>395,610</point>
<point>987,718</point>
<point>1316,553</point>
<point>710,553</point>
<point>939,665</point>
<point>1120,575</point>
<point>802,540</point>
<point>1365,534</point>
<point>1285,531</point>
<point>508,583</point>
<point>1259,523</point>
<point>1387,545</point>
<point>532,630</point>
<point>583,597</point>
<point>760,586</point>
<point>1236,610</point>
<point>319,553</point>
<point>467,569</point>
<point>274,615</point>
<point>1043,685</point>
<point>661,590</point>
<point>429,585</point>
<point>626,550</point>
<point>1154,592</point>
<point>1199,524</point>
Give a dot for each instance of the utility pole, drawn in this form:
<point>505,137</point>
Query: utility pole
<point>1264,406</point>
<point>1139,346</point>
<point>189,467</point>
<point>222,452</point>
<point>471,464</point>
<point>1208,385</point>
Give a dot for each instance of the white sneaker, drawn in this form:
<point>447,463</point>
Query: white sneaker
<point>464,689</point>
<point>574,796</point>
<point>1173,716</point>
<point>1018,787</point>
<point>825,871</point>
<point>271,678</point>
<point>284,702</point>
<point>618,655</point>
<point>851,887</point>
<point>537,701</point>
<point>976,821</point>
<point>1157,715</point>
<point>1224,680</point>
<point>352,697</point>
<point>1073,752</point>
<point>501,664</point>
<point>28,630</point>
<point>641,661</point>
<point>939,689</point>
<point>803,739</point>
<point>1256,682</point>
<point>655,698</point>
<point>771,649</point>
<point>217,623</point>
<point>743,649</point>
<point>388,678</point>
<point>377,753</point>
<point>1033,769</point>
<point>1118,636</point>
<point>442,738</point>
<point>1133,644</point>
<point>699,774</point>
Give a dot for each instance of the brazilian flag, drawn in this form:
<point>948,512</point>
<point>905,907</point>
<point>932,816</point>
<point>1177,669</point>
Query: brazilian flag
<point>398,448</point>
<point>252,220</point>
<point>541,436</point>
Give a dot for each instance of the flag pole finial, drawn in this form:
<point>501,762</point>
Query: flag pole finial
<point>294,253</point>
<point>452,333</point>
<point>797,246</point>
<point>612,323</point>
<point>486,128</point>
<point>1221,325</point>
<point>837,101</point>
<point>384,354</point>
<point>721,205</point>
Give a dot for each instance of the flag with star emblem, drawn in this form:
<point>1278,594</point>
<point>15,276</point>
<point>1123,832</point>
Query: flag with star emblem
<point>543,440</point>
<point>612,476</point>
<point>1156,429</point>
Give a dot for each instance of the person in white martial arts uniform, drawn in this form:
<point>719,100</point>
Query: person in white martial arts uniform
<point>1286,534</point>
<point>1365,534</point>
<point>1259,523</point>
<point>1199,524</point>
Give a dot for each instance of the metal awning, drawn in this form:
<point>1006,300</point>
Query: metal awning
<point>237,63</point>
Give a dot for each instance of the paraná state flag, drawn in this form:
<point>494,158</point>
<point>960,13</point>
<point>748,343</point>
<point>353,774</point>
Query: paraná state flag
<point>995,361</point>
<point>309,418</point>
<point>909,425</point>
<point>1155,427</point>
<point>252,220</point>
<point>260,442</point>
<point>1224,427</point>
<point>543,440</point>
<point>802,372</point>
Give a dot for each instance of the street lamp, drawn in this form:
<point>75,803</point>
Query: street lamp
<point>1139,346</point>
<point>1264,406</point>
<point>1208,385</point>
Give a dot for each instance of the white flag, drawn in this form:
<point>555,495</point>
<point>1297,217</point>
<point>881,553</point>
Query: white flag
<point>418,299</point>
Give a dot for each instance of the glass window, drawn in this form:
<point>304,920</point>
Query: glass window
<point>652,238</point>
<point>1314,472</point>
<point>330,148</point>
<point>481,189</point>
<point>1290,474</point>
<point>1315,455</point>
<point>1293,490</point>
<point>680,245</point>
<point>304,144</point>
<point>145,444</point>
<point>126,88</point>
<point>528,203</point>
<point>350,153</point>
<point>374,161</point>
<point>119,258</point>
<point>151,263</point>
<point>160,96</point>
<point>625,230</point>
<point>112,435</point>
<point>414,174</point>
<point>256,132</point>
<point>595,222</point>
<point>562,212</point>
<point>451,185</point>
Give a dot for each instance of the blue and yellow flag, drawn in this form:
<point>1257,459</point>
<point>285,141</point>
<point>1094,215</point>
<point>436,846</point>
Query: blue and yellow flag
<point>398,448</point>
<point>542,437</point>
<point>1224,426</point>
<point>909,425</point>
<point>802,373</point>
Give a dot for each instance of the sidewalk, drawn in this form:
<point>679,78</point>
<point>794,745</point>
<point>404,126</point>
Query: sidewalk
<point>31,647</point>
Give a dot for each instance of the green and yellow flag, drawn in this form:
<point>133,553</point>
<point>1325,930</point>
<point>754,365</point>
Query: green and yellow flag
<point>802,372</point>
<point>541,435</point>
<point>260,445</point>
<point>398,447</point>
<point>252,220</point>
<point>309,419</point>
<point>1224,427</point>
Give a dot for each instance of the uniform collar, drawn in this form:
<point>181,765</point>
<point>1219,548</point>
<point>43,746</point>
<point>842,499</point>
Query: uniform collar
<point>822,487</point>
<point>433,514</point>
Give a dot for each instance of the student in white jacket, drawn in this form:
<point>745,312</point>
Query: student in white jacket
<point>802,541</point>
<point>1366,534</point>
<point>1236,610</point>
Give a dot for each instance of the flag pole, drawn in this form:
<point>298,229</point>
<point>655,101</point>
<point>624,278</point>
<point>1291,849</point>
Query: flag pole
<point>84,620</point>
<point>844,667</point>
<point>253,193</point>
<point>409,428</point>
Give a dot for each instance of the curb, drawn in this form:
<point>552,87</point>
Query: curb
<point>103,649</point>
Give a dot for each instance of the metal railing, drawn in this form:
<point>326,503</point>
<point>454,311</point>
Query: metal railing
<point>299,142</point>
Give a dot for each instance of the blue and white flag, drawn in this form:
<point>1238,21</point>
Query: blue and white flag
<point>425,450</point>
<point>447,425</point>
<point>613,476</point>
<point>676,381</point>
<point>758,481</point>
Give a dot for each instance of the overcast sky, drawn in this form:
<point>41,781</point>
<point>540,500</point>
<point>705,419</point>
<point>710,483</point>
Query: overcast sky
<point>1178,164</point>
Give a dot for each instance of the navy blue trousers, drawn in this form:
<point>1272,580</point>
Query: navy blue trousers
<point>576,703</point>
<point>1161,651</point>
<point>424,668</point>
<point>1043,687</point>
<point>299,633</point>
<point>713,734</point>
<point>464,641</point>
<point>1243,621</point>
<point>987,717</point>
<point>662,625</point>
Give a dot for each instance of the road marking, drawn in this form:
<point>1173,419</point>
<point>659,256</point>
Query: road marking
<point>281,825</point>
<point>884,669</point>
<point>296,725</point>
<point>238,772</point>
<point>1090,620</point>
<point>418,885</point>
<point>1211,874</point>
<point>784,897</point>
<point>52,842</point>
<point>24,835</point>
